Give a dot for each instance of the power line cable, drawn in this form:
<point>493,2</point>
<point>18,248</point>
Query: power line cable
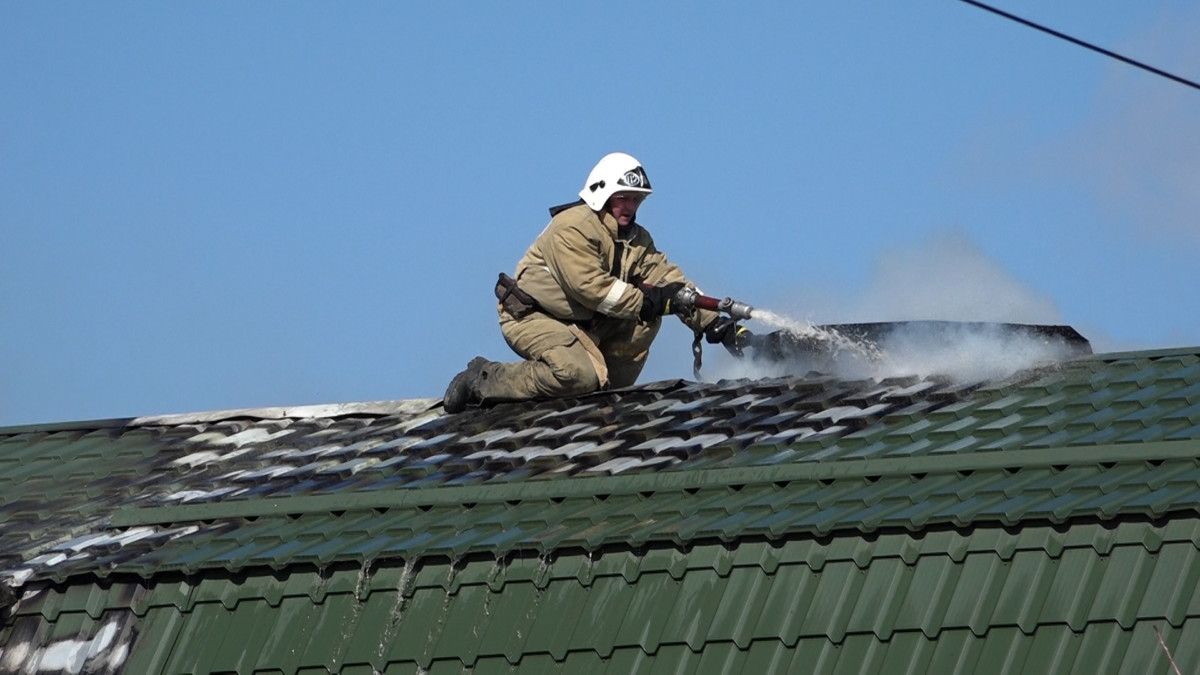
<point>1086,45</point>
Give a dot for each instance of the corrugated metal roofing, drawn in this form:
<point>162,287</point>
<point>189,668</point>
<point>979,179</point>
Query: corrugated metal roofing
<point>994,603</point>
<point>785,522</point>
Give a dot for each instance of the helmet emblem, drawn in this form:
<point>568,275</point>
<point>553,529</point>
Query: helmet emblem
<point>632,179</point>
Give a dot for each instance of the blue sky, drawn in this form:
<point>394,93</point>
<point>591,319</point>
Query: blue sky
<point>225,205</point>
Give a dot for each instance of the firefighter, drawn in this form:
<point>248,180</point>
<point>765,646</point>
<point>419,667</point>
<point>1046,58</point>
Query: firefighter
<point>587,300</point>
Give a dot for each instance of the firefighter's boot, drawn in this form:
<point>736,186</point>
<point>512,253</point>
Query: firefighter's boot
<point>464,388</point>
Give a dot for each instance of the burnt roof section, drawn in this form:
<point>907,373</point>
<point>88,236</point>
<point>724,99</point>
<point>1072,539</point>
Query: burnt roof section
<point>831,347</point>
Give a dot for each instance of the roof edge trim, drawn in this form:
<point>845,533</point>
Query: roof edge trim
<point>1140,354</point>
<point>73,425</point>
<point>410,406</point>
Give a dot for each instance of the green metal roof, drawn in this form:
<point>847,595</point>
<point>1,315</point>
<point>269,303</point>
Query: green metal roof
<point>1046,600</point>
<point>804,523</point>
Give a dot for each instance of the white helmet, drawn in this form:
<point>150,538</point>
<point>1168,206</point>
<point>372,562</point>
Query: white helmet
<point>616,172</point>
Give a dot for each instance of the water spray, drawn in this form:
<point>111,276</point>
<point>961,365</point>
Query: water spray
<point>689,297</point>
<point>837,341</point>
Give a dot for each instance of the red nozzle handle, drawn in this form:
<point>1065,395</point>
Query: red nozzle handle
<point>689,297</point>
<point>738,310</point>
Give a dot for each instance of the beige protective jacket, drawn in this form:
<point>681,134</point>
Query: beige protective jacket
<point>570,270</point>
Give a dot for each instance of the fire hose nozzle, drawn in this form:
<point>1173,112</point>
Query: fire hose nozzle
<point>690,297</point>
<point>735,309</point>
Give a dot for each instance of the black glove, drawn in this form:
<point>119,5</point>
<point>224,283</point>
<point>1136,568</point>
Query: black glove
<point>726,331</point>
<point>658,300</point>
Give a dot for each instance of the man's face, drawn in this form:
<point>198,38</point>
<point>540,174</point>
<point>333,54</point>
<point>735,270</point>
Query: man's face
<point>624,206</point>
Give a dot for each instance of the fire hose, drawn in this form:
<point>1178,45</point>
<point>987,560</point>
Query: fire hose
<point>688,298</point>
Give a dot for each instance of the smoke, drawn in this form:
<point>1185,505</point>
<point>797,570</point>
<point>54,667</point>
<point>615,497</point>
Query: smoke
<point>946,278</point>
<point>964,353</point>
<point>1134,154</point>
<point>953,309</point>
<point>1140,151</point>
<point>1137,156</point>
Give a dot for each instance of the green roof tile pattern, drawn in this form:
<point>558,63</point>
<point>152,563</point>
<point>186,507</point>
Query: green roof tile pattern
<point>1041,523</point>
<point>853,605</point>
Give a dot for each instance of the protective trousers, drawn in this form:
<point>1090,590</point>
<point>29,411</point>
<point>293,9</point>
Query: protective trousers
<point>564,359</point>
